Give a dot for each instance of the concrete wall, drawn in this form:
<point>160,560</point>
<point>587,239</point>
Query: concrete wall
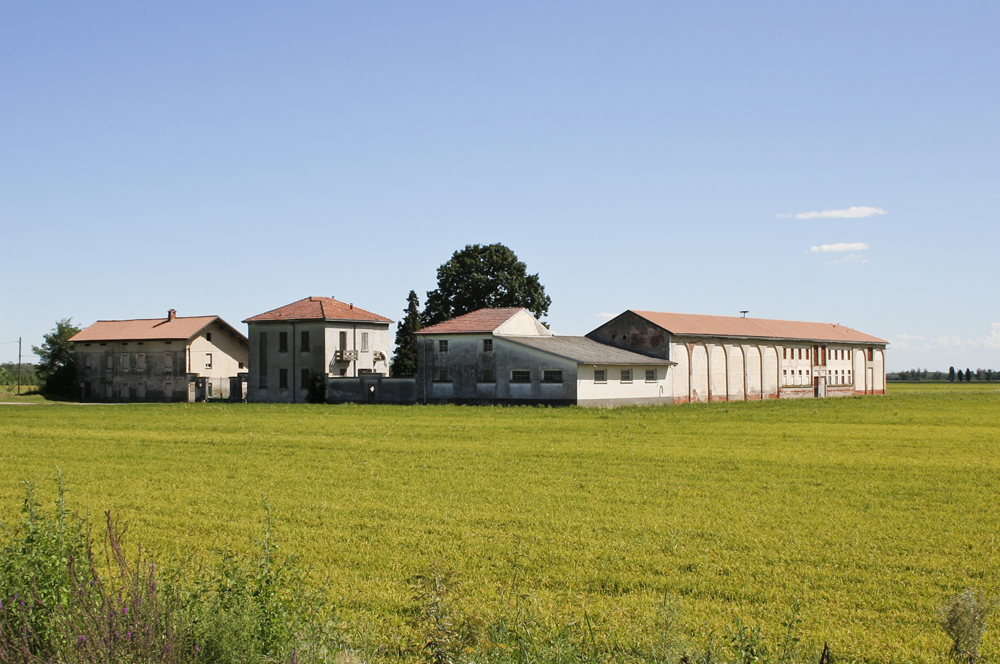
<point>373,388</point>
<point>634,333</point>
<point>613,391</point>
<point>271,361</point>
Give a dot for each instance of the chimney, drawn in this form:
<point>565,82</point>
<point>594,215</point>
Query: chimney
<point>352,306</point>
<point>172,314</point>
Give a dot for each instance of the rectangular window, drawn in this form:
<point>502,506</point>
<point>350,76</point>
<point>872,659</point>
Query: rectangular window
<point>208,360</point>
<point>140,361</point>
<point>807,353</point>
<point>282,342</point>
<point>125,366</point>
<point>87,360</point>
<point>443,376</point>
<point>262,377</point>
<point>552,376</point>
<point>111,362</point>
<point>442,346</point>
<point>520,376</point>
<point>487,345</point>
<point>208,336</point>
<point>283,378</point>
<point>626,375</point>
<point>871,354</point>
<point>650,375</point>
<point>364,342</point>
<point>784,353</point>
<point>600,376</point>
<point>487,376</point>
<point>305,379</point>
<point>304,343</point>
<point>343,341</point>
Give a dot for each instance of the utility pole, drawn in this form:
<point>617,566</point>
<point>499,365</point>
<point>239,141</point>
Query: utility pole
<point>19,366</point>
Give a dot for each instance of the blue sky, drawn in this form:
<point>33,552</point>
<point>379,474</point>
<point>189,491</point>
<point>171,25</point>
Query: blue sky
<point>219,158</point>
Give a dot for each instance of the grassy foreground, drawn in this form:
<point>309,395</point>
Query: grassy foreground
<point>865,512</point>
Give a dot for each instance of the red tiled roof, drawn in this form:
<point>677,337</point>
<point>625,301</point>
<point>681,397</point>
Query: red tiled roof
<point>732,326</point>
<point>480,321</point>
<point>145,328</point>
<point>318,308</point>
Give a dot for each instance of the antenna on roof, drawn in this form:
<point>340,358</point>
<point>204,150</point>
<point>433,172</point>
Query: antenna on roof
<point>745,312</point>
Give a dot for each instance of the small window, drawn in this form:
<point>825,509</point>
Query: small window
<point>283,378</point>
<point>784,353</point>
<point>343,341</point>
<point>520,376</point>
<point>305,379</point>
<point>600,376</point>
<point>487,345</point>
<point>871,354</point>
<point>241,366</point>
<point>650,375</point>
<point>208,336</point>
<point>443,346</point>
<point>364,342</point>
<point>626,375</point>
<point>552,376</point>
<point>111,362</point>
<point>282,342</point>
<point>140,361</point>
<point>208,360</point>
<point>304,341</point>
<point>443,376</point>
<point>125,366</point>
<point>487,376</point>
<point>87,360</point>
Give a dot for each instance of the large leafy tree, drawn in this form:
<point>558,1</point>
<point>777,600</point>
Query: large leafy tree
<point>484,276</point>
<point>404,360</point>
<point>57,366</point>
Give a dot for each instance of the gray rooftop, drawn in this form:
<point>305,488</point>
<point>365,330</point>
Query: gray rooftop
<point>585,351</point>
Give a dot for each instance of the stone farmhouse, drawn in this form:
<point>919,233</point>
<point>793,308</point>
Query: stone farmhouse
<point>177,358</point>
<point>313,336</point>
<point>642,357</point>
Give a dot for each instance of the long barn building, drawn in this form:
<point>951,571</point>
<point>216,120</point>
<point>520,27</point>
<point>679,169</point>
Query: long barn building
<point>720,358</point>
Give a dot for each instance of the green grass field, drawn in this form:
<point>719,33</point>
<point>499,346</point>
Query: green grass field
<point>867,512</point>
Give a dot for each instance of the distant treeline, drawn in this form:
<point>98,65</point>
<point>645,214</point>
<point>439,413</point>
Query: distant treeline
<point>8,375</point>
<point>952,375</point>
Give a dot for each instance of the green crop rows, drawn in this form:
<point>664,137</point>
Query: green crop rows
<point>865,512</point>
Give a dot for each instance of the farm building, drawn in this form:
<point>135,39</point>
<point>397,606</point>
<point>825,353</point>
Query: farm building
<point>506,356</point>
<point>719,358</point>
<point>642,357</point>
<point>315,336</point>
<point>177,358</point>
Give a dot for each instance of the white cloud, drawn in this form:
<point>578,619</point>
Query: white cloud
<point>853,212</point>
<point>605,314</point>
<point>840,246</point>
<point>947,342</point>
